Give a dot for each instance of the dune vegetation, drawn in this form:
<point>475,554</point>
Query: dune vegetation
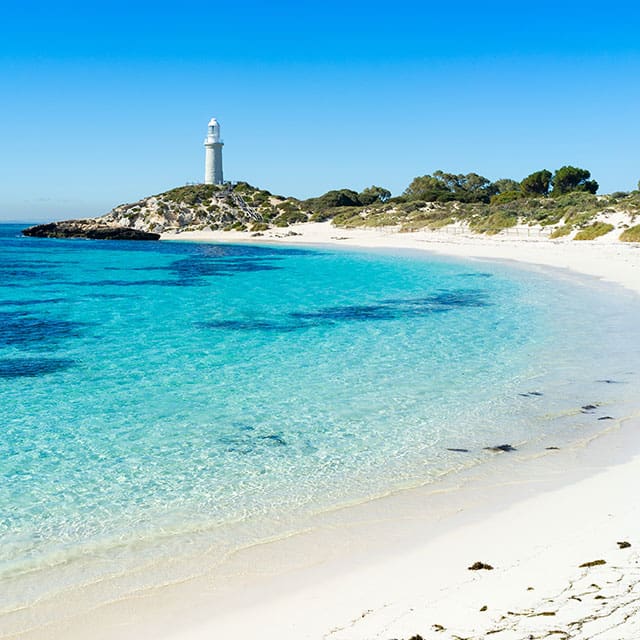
<point>564,202</point>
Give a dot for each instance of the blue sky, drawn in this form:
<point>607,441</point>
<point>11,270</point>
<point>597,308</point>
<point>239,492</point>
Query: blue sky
<point>104,103</point>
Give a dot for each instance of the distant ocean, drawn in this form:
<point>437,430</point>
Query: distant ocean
<point>159,399</point>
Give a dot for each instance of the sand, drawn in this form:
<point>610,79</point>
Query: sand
<point>605,258</point>
<point>536,544</point>
<point>397,566</point>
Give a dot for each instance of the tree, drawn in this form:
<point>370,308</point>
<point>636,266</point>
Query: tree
<point>374,194</point>
<point>475,188</point>
<point>537,184</point>
<point>506,184</point>
<point>570,178</point>
<point>429,189</point>
<point>443,187</point>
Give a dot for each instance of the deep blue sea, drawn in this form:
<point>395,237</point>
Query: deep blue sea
<point>175,396</point>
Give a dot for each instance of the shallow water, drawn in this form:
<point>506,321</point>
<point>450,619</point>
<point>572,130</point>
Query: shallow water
<point>161,398</point>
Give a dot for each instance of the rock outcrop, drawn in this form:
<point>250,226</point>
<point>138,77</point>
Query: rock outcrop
<point>190,208</point>
<point>88,229</point>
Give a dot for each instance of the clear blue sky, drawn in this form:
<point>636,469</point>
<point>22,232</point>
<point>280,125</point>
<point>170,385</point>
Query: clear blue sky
<point>106,102</point>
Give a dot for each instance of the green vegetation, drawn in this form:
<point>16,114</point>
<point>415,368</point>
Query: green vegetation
<point>632,234</point>
<point>236,226</point>
<point>565,199</point>
<point>594,230</point>
<point>192,194</point>
<point>537,184</point>
<point>495,222</point>
<point>562,231</point>
<point>507,196</point>
<point>373,194</point>
<point>569,179</point>
<point>289,212</point>
<point>445,187</point>
<point>322,206</point>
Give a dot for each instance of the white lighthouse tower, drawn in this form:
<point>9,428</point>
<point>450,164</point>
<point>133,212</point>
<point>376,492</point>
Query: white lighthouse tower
<point>213,154</point>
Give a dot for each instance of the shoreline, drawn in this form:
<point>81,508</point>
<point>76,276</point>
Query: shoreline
<point>604,258</point>
<point>412,573</point>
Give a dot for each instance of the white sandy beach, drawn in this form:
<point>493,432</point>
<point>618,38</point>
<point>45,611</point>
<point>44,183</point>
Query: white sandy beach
<point>604,258</point>
<point>397,567</point>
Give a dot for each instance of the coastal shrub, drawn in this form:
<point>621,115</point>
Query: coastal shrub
<point>259,226</point>
<point>533,209</point>
<point>349,218</point>
<point>382,219</point>
<point>430,219</point>
<point>494,223</point>
<point>191,194</point>
<point>334,198</point>
<point>409,207</point>
<point>506,196</point>
<point>288,217</point>
<point>413,225</point>
<point>268,212</point>
<point>288,207</point>
<point>335,213</point>
<point>322,216</point>
<point>244,187</point>
<point>261,197</point>
<point>581,219</point>
<point>564,230</point>
<point>632,234</point>
<point>442,222</point>
<point>576,199</point>
<point>594,230</point>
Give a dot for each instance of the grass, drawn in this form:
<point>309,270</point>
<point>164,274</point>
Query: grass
<point>594,230</point>
<point>564,230</point>
<point>632,234</point>
<point>494,223</point>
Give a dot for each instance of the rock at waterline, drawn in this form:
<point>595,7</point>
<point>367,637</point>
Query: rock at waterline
<point>501,447</point>
<point>87,229</point>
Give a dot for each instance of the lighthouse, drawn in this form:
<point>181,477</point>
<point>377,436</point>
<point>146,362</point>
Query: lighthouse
<point>213,154</point>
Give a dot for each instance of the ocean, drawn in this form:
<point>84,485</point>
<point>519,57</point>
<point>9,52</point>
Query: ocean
<point>161,401</point>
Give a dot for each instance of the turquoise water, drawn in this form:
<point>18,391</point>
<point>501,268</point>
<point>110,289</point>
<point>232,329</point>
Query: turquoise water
<point>180,391</point>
